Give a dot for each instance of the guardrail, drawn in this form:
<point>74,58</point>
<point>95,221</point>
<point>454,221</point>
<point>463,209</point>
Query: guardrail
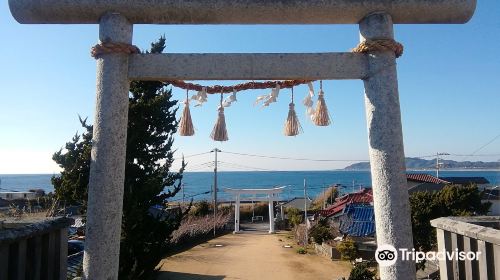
<point>469,234</point>
<point>34,250</point>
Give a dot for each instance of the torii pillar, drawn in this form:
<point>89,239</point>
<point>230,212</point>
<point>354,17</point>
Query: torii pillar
<point>377,69</point>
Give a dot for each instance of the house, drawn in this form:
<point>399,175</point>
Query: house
<point>480,182</point>
<point>425,182</point>
<point>418,182</point>
<point>364,196</point>
<point>297,202</point>
<point>492,196</point>
<point>17,195</point>
<point>357,220</point>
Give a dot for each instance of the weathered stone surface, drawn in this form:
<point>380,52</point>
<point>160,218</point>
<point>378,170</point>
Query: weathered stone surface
<point>242,11</point>
<point>385,142</point>
<point>265,66</point>
<point>107,168</point>
<point>467,226</point>
<point>13,231</point>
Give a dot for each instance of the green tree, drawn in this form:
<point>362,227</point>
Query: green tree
<point>321,231</point>
<point>456,200</point>
<point>361,272</point>
<point>348,249</point>
<point>151,125</point>
<point>71,185</point>
<point>452,200</point>
<point>294,216</point>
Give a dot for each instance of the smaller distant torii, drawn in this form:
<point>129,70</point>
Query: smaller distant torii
<point>271,194</point>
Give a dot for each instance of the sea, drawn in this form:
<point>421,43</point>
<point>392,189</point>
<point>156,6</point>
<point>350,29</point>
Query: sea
<point>199,185</point>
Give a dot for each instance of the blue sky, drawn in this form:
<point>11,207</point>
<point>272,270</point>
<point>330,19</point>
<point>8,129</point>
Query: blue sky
<point>448,81</point>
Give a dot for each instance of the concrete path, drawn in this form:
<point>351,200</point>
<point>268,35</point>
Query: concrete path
<point>249,256</point>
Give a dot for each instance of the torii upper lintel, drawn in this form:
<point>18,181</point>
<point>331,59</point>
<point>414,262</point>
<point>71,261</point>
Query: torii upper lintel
<point>241,11</point>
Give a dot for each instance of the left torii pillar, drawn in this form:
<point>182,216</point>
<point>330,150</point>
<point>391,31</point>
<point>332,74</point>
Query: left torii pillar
<point>107,169</point>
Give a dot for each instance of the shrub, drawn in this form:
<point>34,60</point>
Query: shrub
<point>200,209</point>
<point>301,250</point>
<point>320,231</point>
<point>361,272</point>
<point>194,228</point>
<point>294,216</point>
<point>348,249</point>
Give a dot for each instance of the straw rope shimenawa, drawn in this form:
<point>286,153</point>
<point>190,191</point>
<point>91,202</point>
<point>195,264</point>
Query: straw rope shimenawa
<point>379,45</point>
<point>112,47</point>
<point>321,117</point>
<point>239,87</point>
<point>219,133</point>
<point>186,127</point>
<point>292,124</point>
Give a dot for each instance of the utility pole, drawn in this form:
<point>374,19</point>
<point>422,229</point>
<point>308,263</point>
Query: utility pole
<point>324,197</point>
<point>215,188</point>
<point>305,211</point>
<point>182,188</point>
<point>437,162</point>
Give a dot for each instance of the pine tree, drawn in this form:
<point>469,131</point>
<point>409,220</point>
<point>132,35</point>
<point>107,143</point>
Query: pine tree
<point>151,125</point>
<point>71,186</point>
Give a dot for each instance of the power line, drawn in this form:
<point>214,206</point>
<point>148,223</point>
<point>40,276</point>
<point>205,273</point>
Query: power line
<point>489,142</point>
<point>194,155</point>
<point>245,166</point>
<point>300,159</point>
<point>475,155</point>
<point>189,196</point>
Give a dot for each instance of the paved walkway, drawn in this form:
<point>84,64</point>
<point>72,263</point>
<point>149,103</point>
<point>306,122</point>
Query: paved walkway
<point>252,256</point>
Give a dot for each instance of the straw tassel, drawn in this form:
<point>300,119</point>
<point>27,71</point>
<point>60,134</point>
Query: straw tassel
<point>292,124</point>
<point>186,127</point>
<point>321,117</point>
<point>219,133</point>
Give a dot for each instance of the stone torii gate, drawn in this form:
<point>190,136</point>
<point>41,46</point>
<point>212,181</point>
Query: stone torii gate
<point>271,195</point>
<point>377,69</point>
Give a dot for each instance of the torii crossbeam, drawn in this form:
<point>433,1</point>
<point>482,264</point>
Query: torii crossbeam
<point>377,69</point>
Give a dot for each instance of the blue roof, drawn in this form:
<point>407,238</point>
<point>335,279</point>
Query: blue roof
<point>358,220</point>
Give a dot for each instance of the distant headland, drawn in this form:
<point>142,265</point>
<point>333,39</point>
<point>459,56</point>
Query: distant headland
<point>427,164</point>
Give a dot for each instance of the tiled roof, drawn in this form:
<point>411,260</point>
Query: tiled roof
<point>466,180</point>
<point>363,196</point>
<point>425,178</point>
<point>359,221</point>
<point>75,265</point>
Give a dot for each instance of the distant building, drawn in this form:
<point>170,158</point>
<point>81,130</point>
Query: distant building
<point>17,195</point>
<point>480,182</point>
<point>357,220</point>
<point>297,202</point>
<point>364,196</point>
<point>426,182</point>
<point>492,196</point>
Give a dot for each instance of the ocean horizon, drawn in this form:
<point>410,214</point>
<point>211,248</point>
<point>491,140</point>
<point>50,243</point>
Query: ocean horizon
<point>198,185</point>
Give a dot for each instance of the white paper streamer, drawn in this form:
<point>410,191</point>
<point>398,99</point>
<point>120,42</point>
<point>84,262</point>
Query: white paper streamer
<point>230,99</point>
<point>269,98</point>
<point>308,101</point>
<point>200,97</point>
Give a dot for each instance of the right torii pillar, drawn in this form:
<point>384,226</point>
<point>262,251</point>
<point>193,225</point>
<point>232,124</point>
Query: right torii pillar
<point>385,142</point>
